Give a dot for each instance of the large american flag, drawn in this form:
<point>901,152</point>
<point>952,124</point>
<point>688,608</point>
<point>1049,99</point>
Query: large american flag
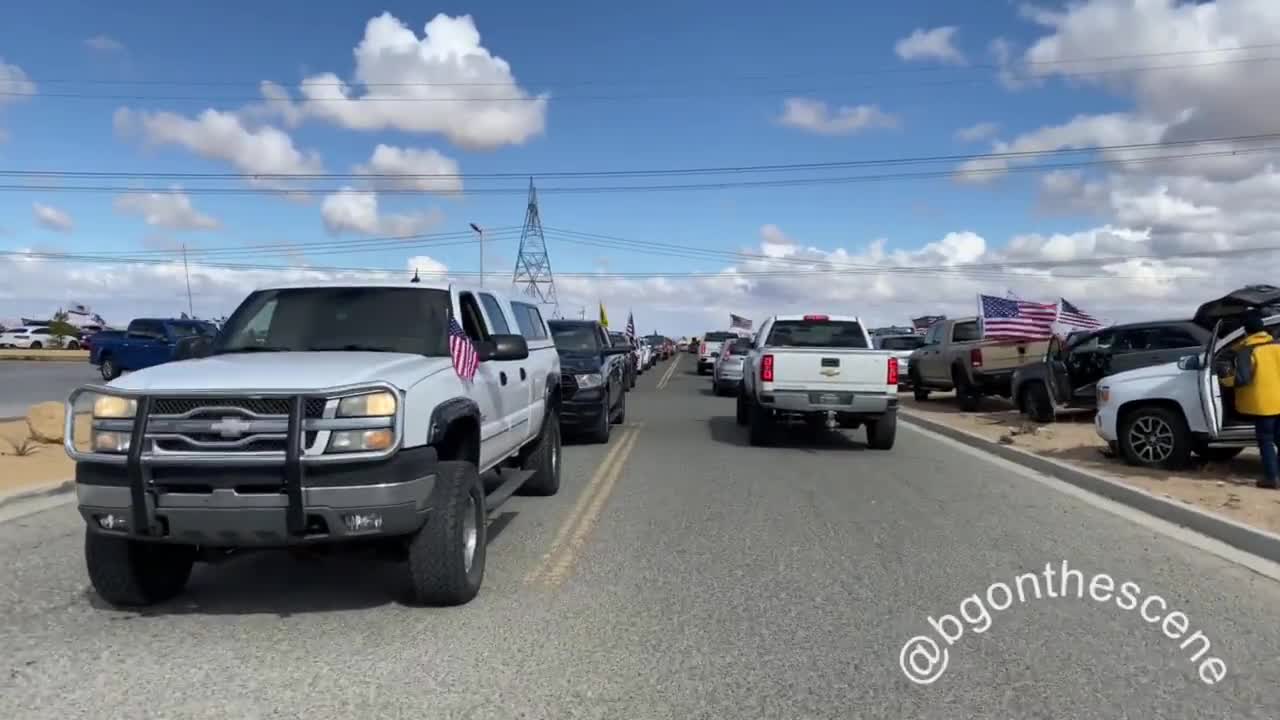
<point>1006,319</point>
<point>1072,318</point>
<point>465,359</point>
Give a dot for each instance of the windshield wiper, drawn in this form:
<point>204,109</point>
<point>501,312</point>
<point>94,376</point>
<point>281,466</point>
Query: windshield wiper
<point>352,348</point>
<point>253,349</point>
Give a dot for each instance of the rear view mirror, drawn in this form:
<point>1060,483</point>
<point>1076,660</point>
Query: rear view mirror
<point>503,347</point>
<point>1189,362</point>
<point>196,346</point>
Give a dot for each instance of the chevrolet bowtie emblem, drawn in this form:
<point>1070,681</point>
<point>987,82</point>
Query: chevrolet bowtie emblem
<point>830,373</point>
<point>230,427</point>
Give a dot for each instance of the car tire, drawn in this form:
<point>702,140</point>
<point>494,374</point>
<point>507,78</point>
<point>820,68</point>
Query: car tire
<point>1155,437</point>
<point>544,460</point>
<point>604,424</point>
<point>1036,404</point>
<point>967,396</point>
<point>110,371</point>
<point>743,417</point>
<point>35,345</point>
<point>447,554</point>
<point>129,573</point>
<point>1218,454</point>
<point>621,416</point>
<point>73,345</point>
<point>882,432</point>
<point>760,425</point>
<point>918,390</point>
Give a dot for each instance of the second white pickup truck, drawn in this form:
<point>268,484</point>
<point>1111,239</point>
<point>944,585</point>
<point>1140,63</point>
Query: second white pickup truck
<point>820,368</point>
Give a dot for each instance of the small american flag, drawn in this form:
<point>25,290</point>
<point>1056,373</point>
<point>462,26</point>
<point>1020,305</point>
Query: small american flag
<point>631,326</point>
<point>1006,319</point>
<point>465,359</point>
<point>1072,318</point>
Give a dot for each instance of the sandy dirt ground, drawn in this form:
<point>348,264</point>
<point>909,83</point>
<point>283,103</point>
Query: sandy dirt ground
<point>1223,488</point>
<point>35,466</point>
<point>67,355</point>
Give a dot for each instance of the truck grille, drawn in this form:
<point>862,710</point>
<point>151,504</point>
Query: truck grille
<point>225,424</point>
<point>568,386</point>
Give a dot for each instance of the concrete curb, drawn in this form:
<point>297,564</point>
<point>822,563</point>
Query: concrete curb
<point>42,358</point>
<point>1238,535</point>
<point>47,491</point>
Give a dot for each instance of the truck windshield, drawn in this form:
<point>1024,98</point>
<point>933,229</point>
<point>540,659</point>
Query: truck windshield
<point>575,338</point>
<point>381,319</point>
<point>739,347</point>
<point>902,343</point>
<point>817,333</point>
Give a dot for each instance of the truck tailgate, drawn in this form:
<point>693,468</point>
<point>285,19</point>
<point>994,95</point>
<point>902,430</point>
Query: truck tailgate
<point>830,369</point>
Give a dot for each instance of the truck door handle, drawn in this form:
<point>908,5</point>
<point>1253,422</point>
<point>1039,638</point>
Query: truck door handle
<point>502,377</point>
<point>522,375</point>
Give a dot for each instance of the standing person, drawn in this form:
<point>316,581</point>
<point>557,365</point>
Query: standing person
<point>1255,376</point>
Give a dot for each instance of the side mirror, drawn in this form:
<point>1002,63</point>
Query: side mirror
<point>196,346</point>
<point>1189,362</point>
<point>503,347</point>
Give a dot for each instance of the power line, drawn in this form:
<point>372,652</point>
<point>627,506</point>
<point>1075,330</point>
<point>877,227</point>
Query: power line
<point>353,245</point>
<point>645,172</point>
<point>722,185</point>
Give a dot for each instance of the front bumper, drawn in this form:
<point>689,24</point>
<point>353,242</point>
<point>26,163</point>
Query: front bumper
<point>583,409</point>
<point>800,401</point>
<point>1104,422</point>
<point>247,506</point>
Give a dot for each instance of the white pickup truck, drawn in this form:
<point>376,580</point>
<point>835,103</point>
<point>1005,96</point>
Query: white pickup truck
<point>320,415</point>
<point>820,368</point>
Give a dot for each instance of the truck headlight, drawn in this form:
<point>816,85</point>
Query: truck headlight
<point>110,442</point>
<point>1104,394</point>
<point>377,404</point>
<point>114,406</point>
<point>360,440</point>
<point>590,380</point>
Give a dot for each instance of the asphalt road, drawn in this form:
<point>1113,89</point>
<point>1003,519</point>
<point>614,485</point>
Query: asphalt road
<point>23,384</point>
<point>692,577</point>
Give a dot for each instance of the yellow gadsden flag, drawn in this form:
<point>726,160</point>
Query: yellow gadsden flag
<point>604,319</point>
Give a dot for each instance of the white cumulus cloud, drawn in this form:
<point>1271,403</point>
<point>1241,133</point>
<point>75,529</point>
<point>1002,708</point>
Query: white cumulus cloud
<point>104,43</point>
<point>354,211</point>
<point>976,132</point>
<point>445,82</point>
<point>936,44</point>
<point>414,167</point>
<point>52,218</point>
<point>816,117</point>
<point>171,210</point>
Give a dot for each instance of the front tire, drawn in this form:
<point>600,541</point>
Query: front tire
<point>1036,403</point>
<point>129,573</point>
<point>544,460</point>
<point>600,433</point>
<point>73,345</point>
<point>36,345</point>
<point>621,416</point>
<point>882,432</point>
<point>110,371</point>
<point>1155,437</point>
<point>447,554</point>
<point>918,390</point>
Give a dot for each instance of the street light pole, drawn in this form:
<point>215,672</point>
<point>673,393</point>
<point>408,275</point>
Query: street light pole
<point>481,234</point>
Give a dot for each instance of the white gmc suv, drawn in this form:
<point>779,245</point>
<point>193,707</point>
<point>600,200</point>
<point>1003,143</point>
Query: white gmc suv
<point>322,414</point>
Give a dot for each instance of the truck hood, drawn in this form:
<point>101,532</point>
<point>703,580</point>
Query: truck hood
<point>287,371</point>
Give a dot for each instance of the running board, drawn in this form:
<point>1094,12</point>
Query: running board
<point>512,479</point>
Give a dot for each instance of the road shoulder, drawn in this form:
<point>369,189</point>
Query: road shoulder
<point>1238,535</point>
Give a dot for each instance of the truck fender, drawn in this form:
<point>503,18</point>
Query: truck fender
<point>447,413</point>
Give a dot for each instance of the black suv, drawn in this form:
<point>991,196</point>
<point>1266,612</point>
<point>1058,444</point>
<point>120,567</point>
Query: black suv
<point>1068,375</point>
<point>593,380</point>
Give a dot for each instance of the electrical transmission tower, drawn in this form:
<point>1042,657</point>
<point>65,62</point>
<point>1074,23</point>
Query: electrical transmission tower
<point>533,266</point>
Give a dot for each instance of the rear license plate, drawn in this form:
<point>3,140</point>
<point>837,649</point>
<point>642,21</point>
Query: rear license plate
<point>830,398</point>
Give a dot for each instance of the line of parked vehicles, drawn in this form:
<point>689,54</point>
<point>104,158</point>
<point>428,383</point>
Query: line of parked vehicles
<point>1152,384</point>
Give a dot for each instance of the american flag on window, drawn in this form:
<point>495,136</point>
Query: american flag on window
<point>1005,319</point>
<point>1072,318</point>
<point>465,358</point>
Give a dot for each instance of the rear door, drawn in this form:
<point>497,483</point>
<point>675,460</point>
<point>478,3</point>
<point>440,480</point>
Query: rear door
<point>144,345</point>
<point>930,357</point>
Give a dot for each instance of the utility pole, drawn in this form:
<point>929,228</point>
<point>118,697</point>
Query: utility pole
<point>533,265</point>
<point>186,270</point>
<point>481,234</point>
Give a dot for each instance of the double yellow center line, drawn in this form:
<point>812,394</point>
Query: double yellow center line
<point>557,563</point>
<point>666,377</point>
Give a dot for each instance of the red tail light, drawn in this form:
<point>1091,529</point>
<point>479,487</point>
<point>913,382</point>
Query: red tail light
<point>975,357</point>
<point>816,318</point>
<point>893,371</point>
<point>766,368</point>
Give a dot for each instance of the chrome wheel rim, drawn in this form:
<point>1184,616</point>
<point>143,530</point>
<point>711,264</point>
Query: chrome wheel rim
<point>1151,439</point>
<point>470,534</point>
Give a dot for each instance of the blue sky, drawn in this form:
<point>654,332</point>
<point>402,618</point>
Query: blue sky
<point>684,85</point>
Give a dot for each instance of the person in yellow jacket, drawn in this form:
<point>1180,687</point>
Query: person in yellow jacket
<point>1259,399</point>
